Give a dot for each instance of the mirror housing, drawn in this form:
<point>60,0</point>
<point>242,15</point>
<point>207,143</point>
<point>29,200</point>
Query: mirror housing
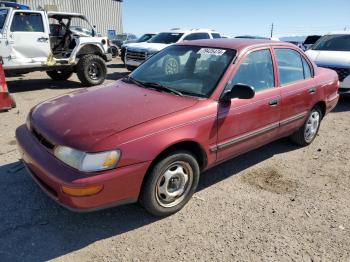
<point>240,91</point>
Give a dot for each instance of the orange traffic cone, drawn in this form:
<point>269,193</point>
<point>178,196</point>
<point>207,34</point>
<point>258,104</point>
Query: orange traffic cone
<point>6,100</point>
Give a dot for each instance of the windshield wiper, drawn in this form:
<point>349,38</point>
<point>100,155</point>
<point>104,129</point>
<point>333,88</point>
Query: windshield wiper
<point>129,79</point>
<point>160,87</point>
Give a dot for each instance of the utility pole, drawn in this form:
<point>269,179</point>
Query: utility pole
<point>272,28</point>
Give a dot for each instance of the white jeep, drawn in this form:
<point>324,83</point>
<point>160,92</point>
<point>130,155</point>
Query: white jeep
<point>56,42</point>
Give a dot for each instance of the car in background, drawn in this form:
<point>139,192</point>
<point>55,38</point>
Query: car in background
<point>14,5</point>
<point>121,39</point>
<point>142,39</point>
<point>138,53</point>
<point>252,37</point>
<point>298,44</point>
<point>148,137</point>
<point>310,41</point>
<point>333,51</point>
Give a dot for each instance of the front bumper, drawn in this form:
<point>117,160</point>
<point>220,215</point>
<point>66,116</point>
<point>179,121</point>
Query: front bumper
<point>120,186</point>
<point>132,62</point>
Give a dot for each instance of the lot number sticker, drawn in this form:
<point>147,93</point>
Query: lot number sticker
<point>211,51</point>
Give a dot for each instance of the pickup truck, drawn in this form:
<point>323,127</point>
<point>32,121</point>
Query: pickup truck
<point>46,41</point>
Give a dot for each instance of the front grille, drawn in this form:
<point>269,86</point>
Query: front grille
<point>42,139</point>
<point>136,55</point>
<point>342,72</point>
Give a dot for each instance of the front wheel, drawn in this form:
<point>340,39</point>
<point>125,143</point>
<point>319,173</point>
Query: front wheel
<point>60,75</point>
<point>170,184</point>
<point>91,70</point>
<point>308,132</point>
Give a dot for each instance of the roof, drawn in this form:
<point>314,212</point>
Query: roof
<point>64,14</point>
<point>235,43</point>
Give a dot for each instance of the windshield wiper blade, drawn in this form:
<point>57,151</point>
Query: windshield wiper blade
<point>129,79</point>
<point>160,87</point>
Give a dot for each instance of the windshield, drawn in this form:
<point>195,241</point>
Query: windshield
<point>333,43</point>
<point>191,70</point>
<point>166,38</point>
<point>145,38</point>
<point>3,15</point>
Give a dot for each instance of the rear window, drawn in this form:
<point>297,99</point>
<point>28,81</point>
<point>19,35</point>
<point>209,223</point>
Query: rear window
<point>333,43</point>
<point>197,36</point>
<point>3,15</point>
<point>27,22</point>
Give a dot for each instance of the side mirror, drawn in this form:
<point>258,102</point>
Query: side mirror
<point>240,91</point>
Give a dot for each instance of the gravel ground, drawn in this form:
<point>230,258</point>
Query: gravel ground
<point>277,203</point>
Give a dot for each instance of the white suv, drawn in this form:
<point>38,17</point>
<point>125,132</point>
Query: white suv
<point>139,52</point>
<point>333,51</point>
<point>39,41</point>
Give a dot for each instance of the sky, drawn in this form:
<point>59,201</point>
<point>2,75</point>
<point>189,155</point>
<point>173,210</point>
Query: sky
<point>238,17</point>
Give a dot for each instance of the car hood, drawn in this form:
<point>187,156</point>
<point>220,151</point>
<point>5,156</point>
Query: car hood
<point>153,47</point>
<point>329,58</point>
<point>81,119</point>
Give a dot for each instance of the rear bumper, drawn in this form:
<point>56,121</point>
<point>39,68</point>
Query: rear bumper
<point>120,186</point>
<point>331,103</point>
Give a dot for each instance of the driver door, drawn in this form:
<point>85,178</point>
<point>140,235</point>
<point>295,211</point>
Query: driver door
<point>29,39</point>
<point>247,124</point>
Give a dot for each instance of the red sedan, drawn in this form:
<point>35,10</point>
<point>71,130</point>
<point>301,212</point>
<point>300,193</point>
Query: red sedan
<point>148,136</point>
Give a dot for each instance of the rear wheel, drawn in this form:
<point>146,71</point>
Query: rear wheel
<point>60,75</point>
<point>308,132</point>
<point>91,70</point>
<point>114,51</point>
<point>171,184</point>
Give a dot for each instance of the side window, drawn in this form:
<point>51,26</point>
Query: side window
<point>197,36</point>
<point>307,69</point>
<point>256,71</point>
<point>290,66</point>
<point>27,22</point>
<point>215,35</point>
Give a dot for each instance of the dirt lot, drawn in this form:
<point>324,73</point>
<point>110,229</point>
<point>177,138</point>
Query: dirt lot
<point>277,203</point>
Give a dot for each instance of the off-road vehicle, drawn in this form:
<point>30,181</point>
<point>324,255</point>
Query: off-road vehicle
<point>48,41</point>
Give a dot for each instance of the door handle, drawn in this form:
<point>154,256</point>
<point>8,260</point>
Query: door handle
<point>312,90</point>
<point>273,102</point>
<point>43,39</point>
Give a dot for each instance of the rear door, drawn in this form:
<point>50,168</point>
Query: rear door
<point>298,88</point>
<point>247,124</point>
<point>28,38</point>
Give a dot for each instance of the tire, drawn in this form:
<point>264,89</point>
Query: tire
<point>13,103</point>
<point>155,195</point>
<point>308,132</point>
<point>60,75</point>
<point>114,51</point>
<point>91,70</point>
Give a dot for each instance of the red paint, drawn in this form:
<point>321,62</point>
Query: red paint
<point>143,123</point>
<point>6,100</point>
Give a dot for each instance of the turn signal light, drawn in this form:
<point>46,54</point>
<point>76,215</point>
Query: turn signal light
<point>82,191</point>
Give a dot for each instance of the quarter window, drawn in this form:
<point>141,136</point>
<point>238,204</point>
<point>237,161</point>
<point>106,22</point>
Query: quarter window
<point>307,69</point>
<point>256,71</point>
<point>197,36</point>
<point>27,22</point>
<point>290,66</point>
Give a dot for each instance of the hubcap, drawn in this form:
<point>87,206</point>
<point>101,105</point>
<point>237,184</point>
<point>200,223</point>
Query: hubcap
<point>171,66</point>
<point>94,71</point>
<point>312,125</point>
<point>174,184</point>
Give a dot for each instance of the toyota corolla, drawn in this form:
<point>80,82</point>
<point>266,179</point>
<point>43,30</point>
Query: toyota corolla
<point>146,138</point>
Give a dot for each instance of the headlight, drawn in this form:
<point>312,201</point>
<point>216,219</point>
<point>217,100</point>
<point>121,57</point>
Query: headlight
<point>87,162</point>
